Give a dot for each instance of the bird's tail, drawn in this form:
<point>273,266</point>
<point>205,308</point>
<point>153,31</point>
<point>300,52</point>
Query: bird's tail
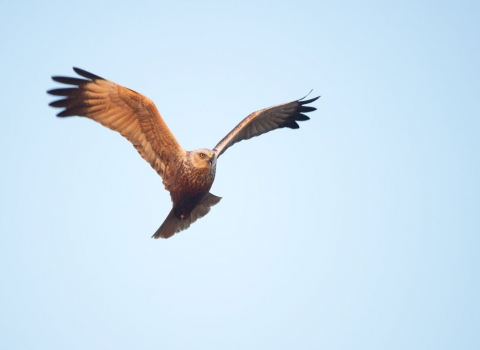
<point>169,226</point>
<point>172,224</point>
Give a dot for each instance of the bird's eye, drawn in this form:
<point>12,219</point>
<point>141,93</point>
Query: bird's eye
<point>202,155</point>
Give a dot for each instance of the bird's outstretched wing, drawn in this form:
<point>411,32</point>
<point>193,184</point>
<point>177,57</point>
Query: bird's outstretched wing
<point>126,111</point>
<point>260,122</point>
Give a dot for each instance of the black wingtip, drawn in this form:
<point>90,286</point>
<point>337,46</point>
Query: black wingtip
<point>86,74</point>
<point>68,80</point>
<point>66,113</point>
<point>292,124</point>
<point>308,101</point>
<point>62,91</point>
<point>58,103</point>
<point>306,109</point>
<point>301,117</point>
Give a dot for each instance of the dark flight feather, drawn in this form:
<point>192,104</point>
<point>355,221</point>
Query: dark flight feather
<point>86,74</point>
<point>63,92</point>
<point>69,81</point>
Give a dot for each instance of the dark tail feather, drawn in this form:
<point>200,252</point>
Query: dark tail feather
<point>172,224</point>
<point>169,226</point>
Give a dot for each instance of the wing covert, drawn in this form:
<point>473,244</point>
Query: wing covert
<point>260,122</point>
<point>131,114</point>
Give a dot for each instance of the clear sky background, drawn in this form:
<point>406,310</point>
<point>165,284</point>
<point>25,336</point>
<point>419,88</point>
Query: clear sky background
<point>358,231</point>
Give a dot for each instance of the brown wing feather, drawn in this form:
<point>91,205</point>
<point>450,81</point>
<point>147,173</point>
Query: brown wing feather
<point>133,115</point>
<point>260,122</point>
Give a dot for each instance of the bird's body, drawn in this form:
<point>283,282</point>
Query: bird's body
<point>191,185</point>
<point>187,175</point>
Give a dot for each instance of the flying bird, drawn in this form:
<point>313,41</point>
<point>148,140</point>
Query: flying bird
<point>187,175</point>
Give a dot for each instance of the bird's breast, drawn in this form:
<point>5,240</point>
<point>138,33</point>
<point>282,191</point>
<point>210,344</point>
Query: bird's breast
<point>189,189</point>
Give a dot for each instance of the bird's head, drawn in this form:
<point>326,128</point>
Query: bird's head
<point>204,158</point>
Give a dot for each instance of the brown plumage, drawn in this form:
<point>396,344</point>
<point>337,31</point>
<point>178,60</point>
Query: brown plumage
<point>188,176</point>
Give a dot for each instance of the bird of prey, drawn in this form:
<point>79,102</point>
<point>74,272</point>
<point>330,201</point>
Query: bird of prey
<point>187,175</point>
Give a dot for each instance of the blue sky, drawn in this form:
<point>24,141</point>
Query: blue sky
<point>358,231</point>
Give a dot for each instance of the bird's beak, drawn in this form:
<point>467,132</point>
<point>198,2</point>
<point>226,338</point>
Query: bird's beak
<point>211,158</point>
